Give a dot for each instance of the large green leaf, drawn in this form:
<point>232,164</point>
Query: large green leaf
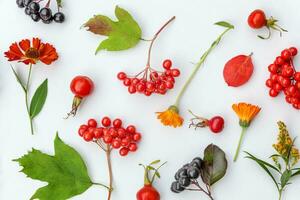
<point>65,172</point>
<point>122,34</point>
<point>38,99</point>
<point>214,164</point>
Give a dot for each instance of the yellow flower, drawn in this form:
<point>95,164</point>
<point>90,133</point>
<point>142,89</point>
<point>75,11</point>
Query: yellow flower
<point>285,145</point>
<point>170,117</point>
<point>246,113</point>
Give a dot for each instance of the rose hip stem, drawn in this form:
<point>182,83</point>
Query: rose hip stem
<point>198,65</point>
<point>107,151</point>
<point>154,38</point>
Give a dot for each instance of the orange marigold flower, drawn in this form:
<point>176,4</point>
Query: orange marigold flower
<point>32,52</point>
<point>170,117</point>
<point>246,113</point>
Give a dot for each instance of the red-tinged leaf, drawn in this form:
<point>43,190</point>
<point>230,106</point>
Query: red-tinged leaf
<point>238,70</point>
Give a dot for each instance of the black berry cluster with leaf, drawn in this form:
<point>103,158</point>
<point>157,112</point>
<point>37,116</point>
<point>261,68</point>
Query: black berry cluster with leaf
<point>37,12</point>
<point>211,169</point>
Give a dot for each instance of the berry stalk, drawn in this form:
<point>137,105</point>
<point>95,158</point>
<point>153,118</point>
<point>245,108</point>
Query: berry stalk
<point>198,65</point>
<point>109,165</point>
<point>154,38</point>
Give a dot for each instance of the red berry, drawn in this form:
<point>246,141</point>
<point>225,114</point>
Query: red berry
<point>147,93</point>
<point>216,124</point>
<point>169,84</point>
<point>125,142</point>
<point>154,75</point>
<point>150,86</point>
<point>277,87</point>
<point>106,121</point>
<point>131,129</point>
<point>121,132</point>
<point>137,137</point>
<point>297,84</point>
<point>279,60</point>
<point>132,147</point>
<point>135,81</point>
<point>116,143</point>
<point>274,77</point>
<point>140,87</point>
<point>273,93</point>
<point>123,151</point>
<point>286,54</point>
<point>288,99</point>
<point>113,132</point>
<point>92,123</point>
<point>286,82</point>
<point>81,86</point>
<point>81,131</point>
<point>297,76</point>
<point>175,72</point>
<point>257,19</point>
<point>293,51</point>
<point>117,123</point>
<point>98,133</point>
<point>273,68</point>
<point>107,139</point>
<point>127,81</point>
<point>168,72</point>
<point>288,72</point>
<point>292,89</point>
<point>132,89</point>
<point>88,136</point>
<point>269,83</point>
<point>167,64</point>
<point>122,76</point>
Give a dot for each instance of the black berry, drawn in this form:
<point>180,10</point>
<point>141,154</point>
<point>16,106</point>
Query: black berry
<point>182,172</point>
<point>184,181</point>
<point>45,14</point>
<point>20,3</point>
<point>27,11</point>
<point>26,2</point>
<point>193,172</point>
<point>48,21</point>
<point>34,7</point>
<point>59,17</point>
<point>197,161</point>
<point>176,187</point>
<point>35,17</point>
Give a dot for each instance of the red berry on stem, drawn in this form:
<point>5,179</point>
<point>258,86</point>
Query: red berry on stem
<point>117,123</point>
<point>257,19</point>
<point>122,76</point>
<point>293,51</point>
<point>269,83</point>
<point>297,76</point>
<point>131,129</point>
<point>127,81</point>
<point>273,93</point>
<point>81,86</point>
<point>88,136</point>
<point>123,151</point>
<point>216,124</point>
<point>132,89</point>
<point>98,133</point>
<point>167,64</point>
<point>175,72</point>
<point>279,60</point>
<point>286,54</point>
<point>107,139</point>
<point>137,137</point>
<point>116,143</point>
<point>92,123</point>
<point>106,121</point>
<point>273,68</point>
<point>132,147</point>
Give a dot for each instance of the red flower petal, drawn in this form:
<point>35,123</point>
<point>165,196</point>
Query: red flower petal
<point>36,43</point>
<point>25,44</point>
<point>48,54</point>
<point>14,52</point>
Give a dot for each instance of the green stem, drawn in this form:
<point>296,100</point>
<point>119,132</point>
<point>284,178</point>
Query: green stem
<point>102,185</point>
<point>26,98</point>
<point>239,144</point>
<point>280,194</point>
<point>198,65</point>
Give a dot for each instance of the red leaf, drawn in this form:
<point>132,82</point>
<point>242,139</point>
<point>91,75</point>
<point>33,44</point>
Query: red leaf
<point>238,70</point>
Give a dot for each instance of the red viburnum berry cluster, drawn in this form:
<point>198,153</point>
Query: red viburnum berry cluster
<point>150,81</point>
<point>285,78</point>
<point>111,133</point>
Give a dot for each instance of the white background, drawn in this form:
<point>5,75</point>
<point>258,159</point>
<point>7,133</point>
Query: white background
<point>184,42</point>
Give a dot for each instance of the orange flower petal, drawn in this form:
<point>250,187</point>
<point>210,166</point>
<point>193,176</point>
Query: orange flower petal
<point>246,112</point>
<point>48,54</point>
<point>36,42</point>
<point>170,117</point>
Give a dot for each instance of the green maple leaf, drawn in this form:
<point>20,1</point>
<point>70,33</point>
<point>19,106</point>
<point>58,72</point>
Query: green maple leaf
<point>122,34</point>
<point>65,172</point>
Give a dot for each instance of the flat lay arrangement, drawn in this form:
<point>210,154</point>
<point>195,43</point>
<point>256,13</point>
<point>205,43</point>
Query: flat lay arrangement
<point>137,101</point>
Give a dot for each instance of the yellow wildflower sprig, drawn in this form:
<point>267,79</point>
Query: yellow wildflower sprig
<point>285,159</point>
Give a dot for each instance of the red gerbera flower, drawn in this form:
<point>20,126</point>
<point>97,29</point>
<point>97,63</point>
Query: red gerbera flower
<point>31,53</point>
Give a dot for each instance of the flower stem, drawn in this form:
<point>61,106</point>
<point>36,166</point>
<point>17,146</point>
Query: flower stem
<point>153,39</point>
<point>280,194</point>
<point>26,98</point>
<point>108,154</point>
<point>198,65</point>
<point>102,185</point>
<point>239,144</point>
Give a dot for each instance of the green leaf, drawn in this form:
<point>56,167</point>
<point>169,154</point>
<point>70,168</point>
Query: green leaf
<point>38,99</point>
<point>296,173</point>
<point>122,34</point>
<point>59,3</point>
<point>285,177</point>
<point>65,172</point>
<point>18,78</point>
<point>261,161</point>
<point>225,24</point>
<point>154,162</point>
<point>214,164</point>
<point>263,166</point>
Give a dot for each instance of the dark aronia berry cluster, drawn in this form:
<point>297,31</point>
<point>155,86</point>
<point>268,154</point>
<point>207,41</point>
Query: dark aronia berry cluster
<point>284,78</point>
<point>150,81</point>
<point>187,175</point>
<point>34,10</point>
<point>111,133</point>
